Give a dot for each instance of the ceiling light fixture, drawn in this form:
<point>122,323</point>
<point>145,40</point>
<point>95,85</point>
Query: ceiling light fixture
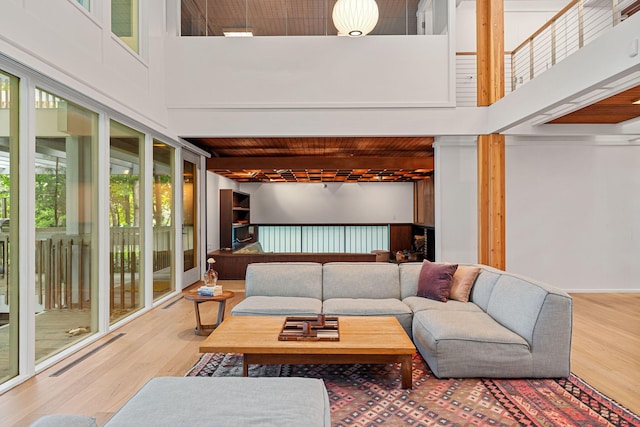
<point>637,101</point>
<point>236,32</point>
<point>355,17</point>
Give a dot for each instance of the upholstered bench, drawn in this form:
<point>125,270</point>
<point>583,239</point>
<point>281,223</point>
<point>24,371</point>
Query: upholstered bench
<point>219,401</point>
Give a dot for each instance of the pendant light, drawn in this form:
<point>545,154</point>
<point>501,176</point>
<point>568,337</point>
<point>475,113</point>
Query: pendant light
<point>355,17</point>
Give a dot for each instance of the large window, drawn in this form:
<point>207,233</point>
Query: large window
<point>65,197</point>
<point>125,22</point>
<point>125,216</point>
<point>85,3</point>
<point>303,17</point>
<point>8,230</point>
<point>163,225</point>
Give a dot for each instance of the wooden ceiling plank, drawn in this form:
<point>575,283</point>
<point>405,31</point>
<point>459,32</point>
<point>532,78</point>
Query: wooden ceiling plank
<point>319,162</point>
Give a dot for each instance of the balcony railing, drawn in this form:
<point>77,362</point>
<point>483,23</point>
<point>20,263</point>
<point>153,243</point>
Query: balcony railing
<point>576,25</point>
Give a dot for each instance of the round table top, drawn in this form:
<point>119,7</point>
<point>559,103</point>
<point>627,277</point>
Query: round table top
<point>193,296</point>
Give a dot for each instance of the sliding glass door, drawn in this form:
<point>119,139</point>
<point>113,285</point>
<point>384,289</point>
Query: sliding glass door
<point>65,214</point>
<point>126,287</point>
<point>190,218</point>
<point>9,122</point>
<point>163,224</point>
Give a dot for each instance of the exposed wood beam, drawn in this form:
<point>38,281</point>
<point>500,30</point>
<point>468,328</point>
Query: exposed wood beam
<point>327,163</point>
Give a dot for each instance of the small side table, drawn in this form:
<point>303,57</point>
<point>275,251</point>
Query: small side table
<point>201,329</point>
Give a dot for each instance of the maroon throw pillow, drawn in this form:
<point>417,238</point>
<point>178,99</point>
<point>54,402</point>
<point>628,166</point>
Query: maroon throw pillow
<point>435,280</point>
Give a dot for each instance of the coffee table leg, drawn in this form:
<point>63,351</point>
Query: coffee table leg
<point>406,367</point>
<point>245,366</point>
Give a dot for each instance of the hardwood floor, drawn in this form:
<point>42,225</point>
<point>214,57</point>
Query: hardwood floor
<point>606,354</point>
<point>606,345</point>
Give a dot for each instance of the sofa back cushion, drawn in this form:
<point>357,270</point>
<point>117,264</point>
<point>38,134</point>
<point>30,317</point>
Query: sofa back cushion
<point>409,275</point>
<point>483,286</point>
<point>286,279</point>
<point>516,303</point>
<point>360,280</point>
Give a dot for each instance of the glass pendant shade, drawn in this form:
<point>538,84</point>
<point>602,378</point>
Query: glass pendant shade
<point>355,17</point>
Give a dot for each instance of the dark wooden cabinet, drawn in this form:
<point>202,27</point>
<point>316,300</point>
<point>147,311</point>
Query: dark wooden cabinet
<point>236,230</point>
<point>423,202</point>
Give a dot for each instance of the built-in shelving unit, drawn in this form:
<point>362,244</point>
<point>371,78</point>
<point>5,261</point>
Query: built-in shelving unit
<point>235,219</point>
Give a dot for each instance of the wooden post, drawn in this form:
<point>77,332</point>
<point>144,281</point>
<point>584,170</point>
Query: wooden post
<point>491,168</point>
<point>491,201</point>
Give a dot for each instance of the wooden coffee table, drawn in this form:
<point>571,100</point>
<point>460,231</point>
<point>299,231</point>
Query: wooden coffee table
<point>366,339</point>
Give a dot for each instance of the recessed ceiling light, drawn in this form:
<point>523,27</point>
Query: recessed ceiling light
<point>637,101</point>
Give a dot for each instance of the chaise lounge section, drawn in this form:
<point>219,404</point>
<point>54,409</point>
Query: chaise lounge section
<point>510,327</point>
<point>216,402</point>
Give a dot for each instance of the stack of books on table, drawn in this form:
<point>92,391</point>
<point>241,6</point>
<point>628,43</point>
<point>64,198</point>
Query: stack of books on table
<point>210,291</point>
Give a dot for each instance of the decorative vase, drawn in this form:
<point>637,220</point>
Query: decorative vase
<point>211,276</point>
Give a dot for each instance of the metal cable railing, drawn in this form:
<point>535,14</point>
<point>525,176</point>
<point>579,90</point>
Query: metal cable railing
<point>576,25</point>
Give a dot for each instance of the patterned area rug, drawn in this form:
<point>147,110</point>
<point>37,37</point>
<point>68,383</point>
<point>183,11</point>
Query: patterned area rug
<point>370,395</point>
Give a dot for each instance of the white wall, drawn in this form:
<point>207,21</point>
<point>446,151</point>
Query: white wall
<point>214,184</point>
<point>572,213</point>
<point>571,210</point>
<point>456,199</point>
<point>312,203</point>
<point>61,40</point>
<point>521,20</point>
<point>281,72</point>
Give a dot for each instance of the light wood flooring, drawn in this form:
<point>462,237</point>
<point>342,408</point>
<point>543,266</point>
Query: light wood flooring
<point>606,354</point>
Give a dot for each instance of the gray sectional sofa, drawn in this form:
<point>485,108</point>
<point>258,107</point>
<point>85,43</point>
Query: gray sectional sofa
<point>511,327</point>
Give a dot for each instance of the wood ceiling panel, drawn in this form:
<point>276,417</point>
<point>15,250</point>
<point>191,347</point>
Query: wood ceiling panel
<point>328,159</point>
<point>615,109</point>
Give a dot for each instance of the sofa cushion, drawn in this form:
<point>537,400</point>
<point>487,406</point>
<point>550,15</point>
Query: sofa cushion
<point>287,279</point>
<point>470,344</point>
<point>277,306</point>
<point>409,273</point>
<point>370,307</point>
<point>419,303</point>
<point>516,303</point>
<point>435,280</point>
<point>483,287</point>
<point>360,280</point>
<point>226,401</point>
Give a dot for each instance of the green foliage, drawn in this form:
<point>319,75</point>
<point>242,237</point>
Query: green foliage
<point>51,195</point>
<point>124,190</point>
